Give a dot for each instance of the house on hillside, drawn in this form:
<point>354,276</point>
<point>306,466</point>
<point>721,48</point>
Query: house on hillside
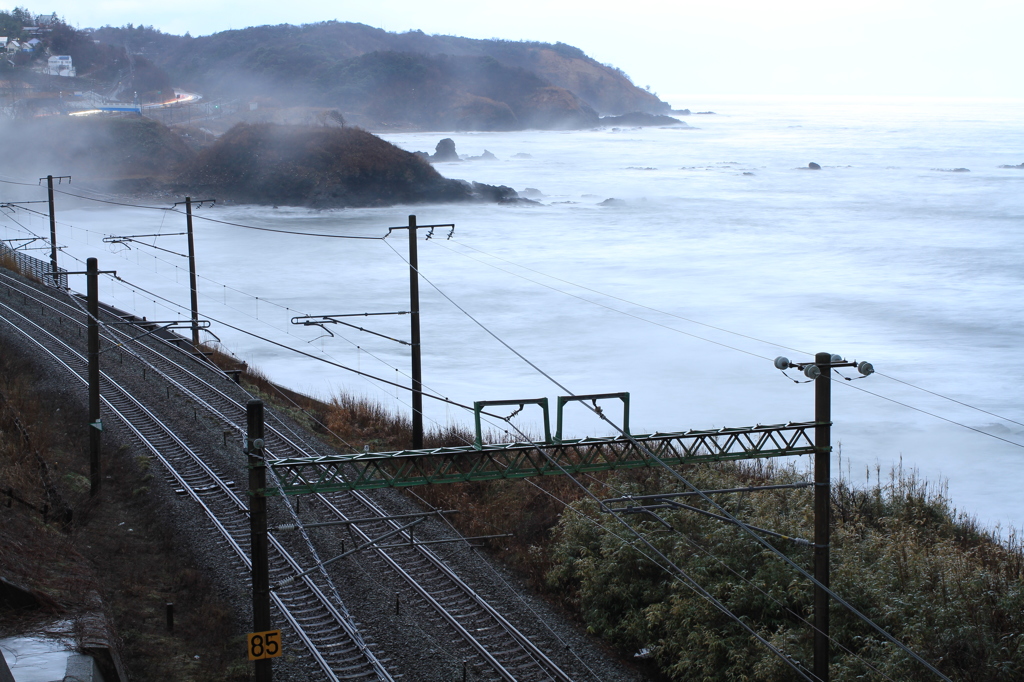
<point>13,45</point>
<point>47,19</point>
<point>31,45</point>
<point>60,65</point>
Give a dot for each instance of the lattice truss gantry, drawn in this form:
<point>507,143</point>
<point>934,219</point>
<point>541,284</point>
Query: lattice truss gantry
<point>407,468</point>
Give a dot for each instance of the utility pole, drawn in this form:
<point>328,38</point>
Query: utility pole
<point>95,425</point>
<point>258,539</point>
<point>820,372</point>
<point>192,274</point>
<point>194,289</point>
<point>414,310</point>
<point>53,224</point>
<point>414,313</point>
<point>822,509</point>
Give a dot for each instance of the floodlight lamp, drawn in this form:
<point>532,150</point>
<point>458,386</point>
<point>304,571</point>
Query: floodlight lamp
<point>812,372</point>
<point>836,358</point>
<point>865,368</point>
<point>781,362</point>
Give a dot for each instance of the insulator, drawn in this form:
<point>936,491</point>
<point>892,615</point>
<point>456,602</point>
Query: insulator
<point>836,358</point>
<point>865,368</point>
<point>781,362</point>
<point>812,372</point>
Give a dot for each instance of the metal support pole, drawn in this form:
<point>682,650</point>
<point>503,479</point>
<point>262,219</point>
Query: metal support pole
<point>822,520</point>
<point>53,231</point>
<point>95,425</point>
<point>258,530</point>
<point>414,309</point>
<point>192,273</point>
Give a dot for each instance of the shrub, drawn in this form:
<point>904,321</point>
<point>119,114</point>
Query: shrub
<point>900,554</point>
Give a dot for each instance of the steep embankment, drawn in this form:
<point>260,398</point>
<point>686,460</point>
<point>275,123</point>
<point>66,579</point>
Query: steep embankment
<point>380,79</point>
<point>329,167</point>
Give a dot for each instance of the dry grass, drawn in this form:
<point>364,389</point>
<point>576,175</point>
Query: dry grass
<point>66,547</point>
<point>9,262</point>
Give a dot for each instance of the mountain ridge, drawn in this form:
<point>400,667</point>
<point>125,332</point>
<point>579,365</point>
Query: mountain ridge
<point>472,84</point>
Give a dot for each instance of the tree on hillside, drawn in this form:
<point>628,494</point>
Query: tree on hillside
<point>12,23</point>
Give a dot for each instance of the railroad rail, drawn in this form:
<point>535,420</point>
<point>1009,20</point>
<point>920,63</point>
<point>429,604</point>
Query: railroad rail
<point>494,646</point>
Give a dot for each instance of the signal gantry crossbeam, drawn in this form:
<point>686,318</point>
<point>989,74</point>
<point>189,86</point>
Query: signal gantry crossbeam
<point>407,468</point>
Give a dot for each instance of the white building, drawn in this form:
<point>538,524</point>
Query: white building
<point>60,65</point>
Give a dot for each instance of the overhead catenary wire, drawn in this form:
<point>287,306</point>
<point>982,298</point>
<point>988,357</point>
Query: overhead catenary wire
<point>104,326</point>
<point>112,336</point>
<point>706,595</point>
<point>661,463</point>
<point>718,328</point>
<point>495,336</point>
<point>618,298</point>
<point>946,397</point>
<point>930,414</point>
<point>301,352</point>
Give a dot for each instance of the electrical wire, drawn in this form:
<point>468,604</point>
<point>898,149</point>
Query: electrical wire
<point>565,281</point>
<point>296,350</point>
<point>617,298</point>
<point>694,585</point>
<point>197,216</point>
<point>637,317</point>
<point>946,397</point>
<point>692,487</point>
<point>930,414</point>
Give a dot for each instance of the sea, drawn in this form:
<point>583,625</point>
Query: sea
<point>672,263</point>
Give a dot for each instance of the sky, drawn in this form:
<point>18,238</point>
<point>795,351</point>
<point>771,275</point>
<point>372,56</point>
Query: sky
<point>930,48</point>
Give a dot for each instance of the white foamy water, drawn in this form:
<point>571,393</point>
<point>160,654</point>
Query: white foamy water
<point>878,257</point>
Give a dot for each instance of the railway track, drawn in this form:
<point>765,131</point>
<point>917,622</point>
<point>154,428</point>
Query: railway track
<point>329,635</point>
<point>486,640</point>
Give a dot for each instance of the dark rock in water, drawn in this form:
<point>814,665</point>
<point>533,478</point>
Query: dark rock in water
<point>521,155</point>
<point>1020,165</point>
<point>639,118</point>
<point>532,193</point>
<point>612,202</point>
<point>813,166</point>
<point>705,113</point>
<point>952,170</point>
<point>486,156</point>
<point>423,155</point>
<point>747,173</point>
<point>445,151</point>
<point>494,193</point>
<point>276,165</point>
<point>680,112</point>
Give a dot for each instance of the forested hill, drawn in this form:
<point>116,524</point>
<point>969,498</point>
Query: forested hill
<point>381,79</point>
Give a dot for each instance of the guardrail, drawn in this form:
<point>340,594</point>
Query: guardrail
<point>35,267</point>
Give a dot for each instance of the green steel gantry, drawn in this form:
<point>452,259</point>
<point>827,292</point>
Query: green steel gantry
<point>405,468</point>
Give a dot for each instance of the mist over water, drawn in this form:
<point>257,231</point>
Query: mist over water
<point>878,257</point>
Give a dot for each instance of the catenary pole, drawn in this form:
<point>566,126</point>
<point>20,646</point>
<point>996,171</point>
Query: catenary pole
<point>822,520</point>
<point>53,222</point>
<point>95,425</point>
<point>414,310</point>
<point>192,273</point>
<point>53,230</point>
<point>258,539</point>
